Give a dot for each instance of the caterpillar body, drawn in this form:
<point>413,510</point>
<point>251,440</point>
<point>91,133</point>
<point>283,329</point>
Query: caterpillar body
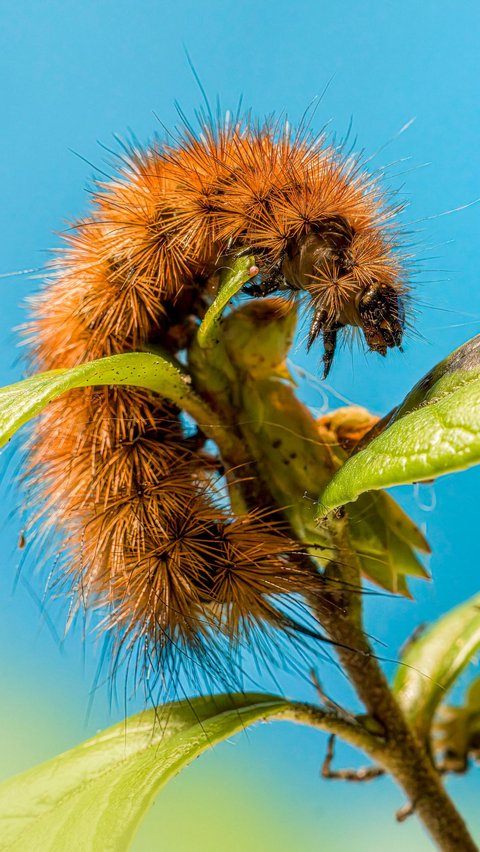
<point>114,469</point>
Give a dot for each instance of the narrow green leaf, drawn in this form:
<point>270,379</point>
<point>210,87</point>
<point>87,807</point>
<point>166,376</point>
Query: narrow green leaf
<point>432,663</point>
<point>233,279</point>
<point>436,430</point>
<point>94,796</point>
<point>22,401</point>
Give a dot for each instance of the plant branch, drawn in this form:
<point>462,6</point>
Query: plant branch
<point>400,753</point>
<point>366,773</point>
<point>390,742</point>
<point>353,732</point>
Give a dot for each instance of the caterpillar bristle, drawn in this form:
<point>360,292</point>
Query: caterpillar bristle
<point>113,469</point>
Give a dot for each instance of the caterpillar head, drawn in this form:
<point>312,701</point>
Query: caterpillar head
<point>353,278</point>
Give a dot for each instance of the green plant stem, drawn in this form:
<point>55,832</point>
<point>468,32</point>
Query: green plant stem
<point>398,750</point>
<point>356,734</point>
<point>339,610</point>
<point>236,273</point>
<point>400,753</point>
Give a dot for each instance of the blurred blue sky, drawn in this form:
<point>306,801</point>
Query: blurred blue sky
<point>73,75</point>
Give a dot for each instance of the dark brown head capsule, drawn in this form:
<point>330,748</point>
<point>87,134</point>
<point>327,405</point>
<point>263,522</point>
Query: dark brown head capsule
<point>351,278</point>
<point>382,314</point>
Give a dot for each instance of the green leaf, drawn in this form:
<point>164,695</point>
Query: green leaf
<point>94,796</point>
<point>457,731</point>
<point>432,663</point>
<point>385,540</point>
<point>233,279</point>
<point>436,430</point>
<point>22,401</point>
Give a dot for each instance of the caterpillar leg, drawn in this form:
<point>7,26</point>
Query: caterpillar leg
<point>272,281</point>
<point>329,334</point>
<point>329,346</point>
<point>317,326</point>
<point>265,288</point>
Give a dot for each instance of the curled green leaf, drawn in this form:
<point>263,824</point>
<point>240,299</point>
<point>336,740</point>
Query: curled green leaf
<point>233,278</point>
<point>23,400</point>
<point>95,796</point>
<point>436,430</point>
<point>432,663</point>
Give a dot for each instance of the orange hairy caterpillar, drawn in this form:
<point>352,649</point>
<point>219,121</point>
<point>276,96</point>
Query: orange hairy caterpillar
<point>114,469</point>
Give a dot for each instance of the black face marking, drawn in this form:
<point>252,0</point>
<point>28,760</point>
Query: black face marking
<point>383,318</point>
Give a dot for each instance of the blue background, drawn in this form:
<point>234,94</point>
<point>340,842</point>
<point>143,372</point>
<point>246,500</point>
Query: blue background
<point>73,74</point>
